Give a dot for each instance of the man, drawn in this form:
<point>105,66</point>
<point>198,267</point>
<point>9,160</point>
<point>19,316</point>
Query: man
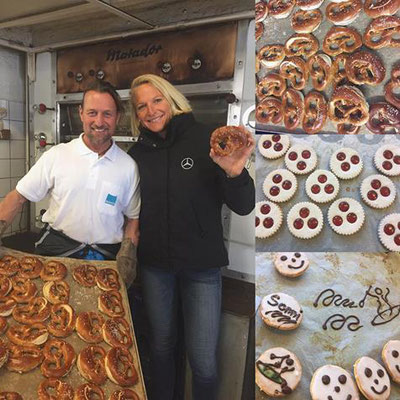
<point>93,187</point>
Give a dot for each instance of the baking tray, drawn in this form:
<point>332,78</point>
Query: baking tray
<point>81,299</point>
<point>277,31</point>
<point>349,275</point>
<point>366,239</point>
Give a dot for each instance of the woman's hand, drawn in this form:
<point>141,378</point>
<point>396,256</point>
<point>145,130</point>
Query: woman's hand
<point>234,163</point>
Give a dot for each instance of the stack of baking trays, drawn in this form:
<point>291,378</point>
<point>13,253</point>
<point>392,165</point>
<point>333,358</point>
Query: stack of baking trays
<point>328,66</point>
<point>66,331</point>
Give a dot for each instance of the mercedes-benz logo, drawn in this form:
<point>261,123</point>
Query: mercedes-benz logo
<point>187,163</point>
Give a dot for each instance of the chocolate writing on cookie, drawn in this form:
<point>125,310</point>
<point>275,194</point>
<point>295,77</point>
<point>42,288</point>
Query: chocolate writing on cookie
<point>283,313</point>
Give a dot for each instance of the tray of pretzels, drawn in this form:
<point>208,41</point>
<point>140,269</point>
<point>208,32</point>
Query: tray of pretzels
<point>328,66</point>
<point>66,331</point>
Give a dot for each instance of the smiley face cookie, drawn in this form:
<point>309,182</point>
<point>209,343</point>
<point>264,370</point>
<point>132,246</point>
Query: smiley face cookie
<point>278,372</point>
<point>372,379</point>
<point>391,359</point>
<point>291,264</point>
<point>268,218</point>
<point>331,382</point>
<point>305,220</point>
<point>387,160</point>
<point>346,163</point>
<point>281,311</point>
<point>273,146</point>
<point>280,185</point>
<point>301,159</point>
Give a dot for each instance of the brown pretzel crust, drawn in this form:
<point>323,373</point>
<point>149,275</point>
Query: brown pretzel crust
<point>9,265</point>
<point>343,13</point>
<point>271,85</point>
<point>87,391</point>
<point>56,292</point>
<point>120,367</point>
<point>269,110</point>
<point>378,8</point>
<point>37,310</point>
<point>62,320</point>
<point>4,353</point>
<point>306,21</point>
<point>107,278</point>
<point>10,396</point>
<point>381,33</point>
<point>340,39</point>
<point>124,394</point>
<point>280,8</point>
<point>5,285</point>
<point>315,112</point>
<point>271,55</point>
<point>320,69</point>
<point>261,11</point>
<point>348,129</point>
<point>88,326</point>
<point>292,108</point>
<point>59,357</point>
<point>117,332</point>
<point>301,44</point>
<point>85,275</point>
<point>339,76</point>
<point>61,390</point>
<point>90,364</point>
<point>53,271</point>
<point>295,70</point>
<point>224,141</point>
<point>383,118</point>
<point>23,358</point>
<point>23,289</point>
<point>23,335</point>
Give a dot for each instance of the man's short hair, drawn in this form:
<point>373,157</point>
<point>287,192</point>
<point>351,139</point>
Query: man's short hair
<point>105,87</point>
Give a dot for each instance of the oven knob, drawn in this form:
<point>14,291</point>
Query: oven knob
<point>100,74</point>
<point>194,63</point>
<point>166,67</point>
<point>79,77</point>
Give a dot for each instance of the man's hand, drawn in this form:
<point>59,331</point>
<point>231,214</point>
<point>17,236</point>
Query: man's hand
<point>126,261</point>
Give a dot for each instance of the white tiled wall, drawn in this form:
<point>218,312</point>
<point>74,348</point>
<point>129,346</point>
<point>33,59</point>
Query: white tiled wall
<point>12,152</point>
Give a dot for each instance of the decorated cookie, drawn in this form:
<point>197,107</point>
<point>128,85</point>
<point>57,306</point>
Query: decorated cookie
<point>346,163</point>
<point>273,146</point>
<point>281,311</point>
<point>331,382</point>
<point>291,264</point>
<point>301,159</point>
<point>378,191</point>
<point>278,372</point>
<point>322,186</point>
<point>346,216</point>
<point>268,218</point>
<point>391,359</point>
<point>280,185</point>
<point>305,220</point>
<point>389,232</point>
<point>372,379</point>
<point>387,160</point>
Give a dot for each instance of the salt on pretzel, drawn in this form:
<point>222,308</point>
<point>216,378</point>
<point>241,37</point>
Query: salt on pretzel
<point>292,108</point>
<point>340,39</point>
<point>320,69</point>
<point>59,357</point>
<point>25,335</point>
<point>295,71</point>
<point>56,292</point>
<point>91,366</point>
<point>107,279</point>
<point>110,303</point>
<point>343,13</point>
<point>89,391</point>
<point>30,267</point>
<point>306,21</point>
<point>37,310</point>
<point>280,8</point>
<point>227,139</point>
<point>5,285</point>
<point>23,289</point>
<point>124,394</point>
<point>271,85</point>
<point>120,367</point>
<point>378,8</point>
<point>85,275</point>
<point>53,271</point>
<point>339,76</point>
<point>271,55</point>
<point>269,110</point>
<point>23,358</point>
<point>315,112</point>
<point>117,332</point>
<point>301,44</point>
<point>55,389</point>
<point>88,326</point>
<point>383,118</point>
<point>383,32</point>
<point>9,265</point>
<point>62,320</point>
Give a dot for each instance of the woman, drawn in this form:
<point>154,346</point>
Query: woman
<point>181,248</point>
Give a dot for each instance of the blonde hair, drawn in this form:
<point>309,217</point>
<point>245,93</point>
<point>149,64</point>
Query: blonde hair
<point>178,102</point>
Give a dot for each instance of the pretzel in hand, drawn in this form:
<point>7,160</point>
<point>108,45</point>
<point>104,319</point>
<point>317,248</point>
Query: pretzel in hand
<point>227,139</point>
<point>120,367</point>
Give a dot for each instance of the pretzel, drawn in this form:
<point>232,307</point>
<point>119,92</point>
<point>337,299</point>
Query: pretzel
<point>85,275</point>
<point>292,108</point>
<point>56,292</point>
<point>116,332</point>
<point>340,39</point>
<point>88,391</point>
<point>383,118</point>
<point>23,289</point>
<point>261,11</point>
<point>110,303</point>
<point>348,106</point>
<point>271,55</point>
<point>107,278</point>
<point>3,325</point>
<point>383,32</point>
<point>62,320</point>
<point>395,74</point>
<point>272,85</point>
<point>280,8</point>
<point>365,68</point>
<point>7,306</point>
<point>53,271</point>
<point>301,44</point>
<point>37,310</point>
<point>259,30</point>
<point>315,112</point>
<point>295,71</point>
<point>23,335</point>
<point>55,389</point>
<point>124,394</point>
<point>309,4</point>
<point>377,8</point>
<point>10,396</point>
<point>269,110</point>
<point>30,267</point>
<point>320,68</point>
<point>23,358</point>
<point>120,368</point>
<point>343,13</point>
<point>224,141</point>
<point>9,265</point>
<point>88,327</point>
<point>348,129</point>
<point>90,364</point>
<point>390,96</point>
<point>306,21</point>
<point>339,76</point>
<point>4,353</point>
<point>5,285</point>
<point>59,357</point>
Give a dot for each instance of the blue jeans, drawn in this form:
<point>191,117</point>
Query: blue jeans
<point>200,293</point>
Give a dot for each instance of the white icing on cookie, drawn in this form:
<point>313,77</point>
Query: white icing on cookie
<point>291,264</point>
<point>301,159</point>
<point>372,379</point>
<point>331,382</point>
<point>322,186</point>
<point>305,220</point>
<point>268,218</point>
<point>281,311</point>
<point>346,216</point>
<point>273,146</point>
<point>389,232</point>
<point>378,191</point>
<point>387,160</point>
<point>346,163</point>
<point>280,185</point>
<point>278,372</point>
<point>391,359</point>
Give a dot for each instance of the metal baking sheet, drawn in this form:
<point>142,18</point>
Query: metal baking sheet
<point>81,299</point>
<point>277,31</point>
<point>366,239</point>
<point>350,275</point>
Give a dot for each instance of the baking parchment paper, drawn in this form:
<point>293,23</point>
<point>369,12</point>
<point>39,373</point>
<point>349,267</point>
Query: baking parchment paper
<point>81,299</point>
<point>277,31</point>
<point>350,275</point>
<point>366,239</point>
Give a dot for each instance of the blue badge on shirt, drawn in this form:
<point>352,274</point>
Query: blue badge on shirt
<point>111,200</point>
